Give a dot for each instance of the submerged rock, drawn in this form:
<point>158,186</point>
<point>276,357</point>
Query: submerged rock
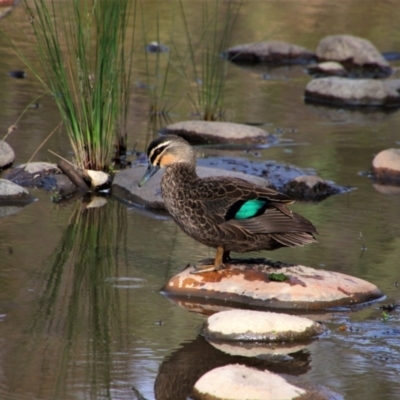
<point>350,92</point>
<point>250,326</point>
<point>270,287</point>
<point>7,155</point>
<point>359,56</point>
<point>125,185</point>
<point>239,382</point>
<point>386,166</point>
<point>273,52</point>
<point>212,132</point>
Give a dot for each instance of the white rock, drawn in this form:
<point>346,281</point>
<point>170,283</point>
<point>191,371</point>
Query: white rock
<point>97,178</point>
<point>389,158</point>
<point>7,155</point>
<point>36,167</point>
<point>238,382</point>
<point>8,188</point>
<point>248,325</point>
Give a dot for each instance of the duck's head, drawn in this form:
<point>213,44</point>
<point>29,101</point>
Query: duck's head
<point>165,151</point>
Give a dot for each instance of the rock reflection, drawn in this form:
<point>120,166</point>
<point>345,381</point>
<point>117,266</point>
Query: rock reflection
<point>179,372</point>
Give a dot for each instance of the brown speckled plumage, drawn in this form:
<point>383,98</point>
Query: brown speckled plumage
<point>204,208</point>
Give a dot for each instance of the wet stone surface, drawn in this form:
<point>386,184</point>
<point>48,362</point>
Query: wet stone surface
<point>246,284</point>
<point>252,326</point>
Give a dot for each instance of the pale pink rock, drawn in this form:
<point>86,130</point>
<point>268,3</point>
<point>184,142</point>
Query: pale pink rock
<point>251,285</point>
<point>354,53</point>
<point>386,166</point>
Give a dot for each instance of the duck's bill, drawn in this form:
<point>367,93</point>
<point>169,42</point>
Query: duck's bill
<point>151,170</point>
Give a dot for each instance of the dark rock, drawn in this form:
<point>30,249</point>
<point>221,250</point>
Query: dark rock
<point>155,47</point>
<point>34,174</point>
<point>359,56</point>
<point>353,93</point>
<point>62,184</point>
<point>312,188</point>
<point>278,176</point>
<point>206,132</point>
<point>42,175</point>
<point>7,155</point>
<point>273,52</point>
<point>18,74</point>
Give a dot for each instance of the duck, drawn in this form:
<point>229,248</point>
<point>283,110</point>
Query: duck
<point>225,213</point>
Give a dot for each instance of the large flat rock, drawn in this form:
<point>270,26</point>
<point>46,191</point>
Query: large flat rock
<point>353,92</point>
<point>260,326</point>
<point>125,185</point>
<point>303,289</point>
<point>358,55</point>
<point>215,132</point>
<point>270,52</point>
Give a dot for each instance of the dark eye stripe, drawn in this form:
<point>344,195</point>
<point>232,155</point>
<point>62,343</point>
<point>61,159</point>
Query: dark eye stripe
<point>154,153</point>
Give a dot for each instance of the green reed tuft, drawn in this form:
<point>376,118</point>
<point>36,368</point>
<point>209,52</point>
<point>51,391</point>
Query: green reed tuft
<point>82,47</point>
<point>208,68</point>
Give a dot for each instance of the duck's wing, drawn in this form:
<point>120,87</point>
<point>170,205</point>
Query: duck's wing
<point>237,198</point>
<point>251,209</point>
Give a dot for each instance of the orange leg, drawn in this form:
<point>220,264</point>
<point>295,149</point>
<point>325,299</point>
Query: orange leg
<point>219,259</point>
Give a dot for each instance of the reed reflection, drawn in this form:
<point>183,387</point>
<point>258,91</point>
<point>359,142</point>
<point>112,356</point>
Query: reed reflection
<point>76,332</point>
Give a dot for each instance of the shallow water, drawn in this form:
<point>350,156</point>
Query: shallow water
<point>81,315</point>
